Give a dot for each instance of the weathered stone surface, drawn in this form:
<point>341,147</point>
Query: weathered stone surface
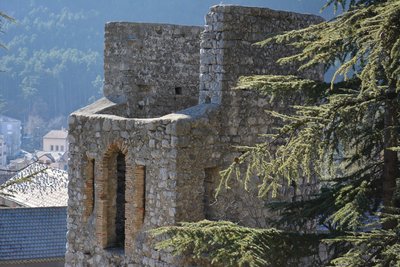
<point>151,69</point>
<point>227,51</point>
<point>170,160</point>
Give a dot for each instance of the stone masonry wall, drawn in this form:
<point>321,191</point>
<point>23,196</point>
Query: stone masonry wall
<point>208,143</point>
<point>145,143</point>
<point>153,68</point>
<point>226,54</point>
<point>155,145</point>
<point>172,160</point>
<point>227,50</point>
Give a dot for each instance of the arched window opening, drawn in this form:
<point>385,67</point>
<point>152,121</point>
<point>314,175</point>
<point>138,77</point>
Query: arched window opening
<point>112,209</point>
<point>121,194</point>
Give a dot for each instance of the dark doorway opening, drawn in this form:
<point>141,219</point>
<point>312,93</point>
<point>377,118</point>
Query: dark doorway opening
<point>210,178</point>
<point>120,209</point>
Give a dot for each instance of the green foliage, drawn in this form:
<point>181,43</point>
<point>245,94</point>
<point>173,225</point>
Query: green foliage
<point>364,40</point>
<point>349,4</point>
<point>277,86</point>
<point>314,136</point>
<point>373,248</point>
<point>340,139</point>
<point>3,18</point>
<point>342,204</point>
<point>48,69</point>
<point>228,244</point>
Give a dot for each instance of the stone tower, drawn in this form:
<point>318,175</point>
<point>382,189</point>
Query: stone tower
<point>148,154</point>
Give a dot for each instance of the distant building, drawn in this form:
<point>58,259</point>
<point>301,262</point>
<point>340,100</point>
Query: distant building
<point>25,158</point>
<point>11,130</point>
<point>3,152</point>
<point>55,141</point>
<point>58,160</point>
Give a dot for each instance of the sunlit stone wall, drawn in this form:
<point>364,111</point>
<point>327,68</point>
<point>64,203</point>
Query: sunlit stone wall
<point>172,160</point>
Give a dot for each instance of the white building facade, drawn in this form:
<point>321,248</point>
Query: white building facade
<point>55,141</point>
<point>11,130</point>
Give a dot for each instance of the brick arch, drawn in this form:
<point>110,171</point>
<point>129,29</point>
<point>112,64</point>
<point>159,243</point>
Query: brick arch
<point>112,197</point>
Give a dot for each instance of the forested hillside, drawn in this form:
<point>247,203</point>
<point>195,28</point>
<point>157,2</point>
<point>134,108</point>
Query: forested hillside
<point>53,64</point>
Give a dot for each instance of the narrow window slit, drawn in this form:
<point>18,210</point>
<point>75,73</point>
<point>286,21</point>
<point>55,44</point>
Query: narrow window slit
<point>178,90</point>
<point>93,183</point>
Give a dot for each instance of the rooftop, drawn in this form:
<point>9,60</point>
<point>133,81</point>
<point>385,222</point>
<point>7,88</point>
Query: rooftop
<point>47,187</point>
<point>28,234</point>
<point>57,134</point>
<point>53,156</point>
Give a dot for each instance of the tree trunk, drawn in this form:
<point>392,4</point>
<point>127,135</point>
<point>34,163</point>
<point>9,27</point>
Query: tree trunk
<point>390,171</point>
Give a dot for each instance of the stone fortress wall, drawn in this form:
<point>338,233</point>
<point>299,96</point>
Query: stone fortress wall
<point>147,152</point>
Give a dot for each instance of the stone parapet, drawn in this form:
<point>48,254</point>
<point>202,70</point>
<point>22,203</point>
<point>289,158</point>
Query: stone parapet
<point>152,148</point>
<point>152,69</point>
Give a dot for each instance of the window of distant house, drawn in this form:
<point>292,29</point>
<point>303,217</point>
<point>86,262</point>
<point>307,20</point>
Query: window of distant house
<point>62,148</point>
<point>9,127</point>
<point>51,148</point>
<point>56,148</point>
